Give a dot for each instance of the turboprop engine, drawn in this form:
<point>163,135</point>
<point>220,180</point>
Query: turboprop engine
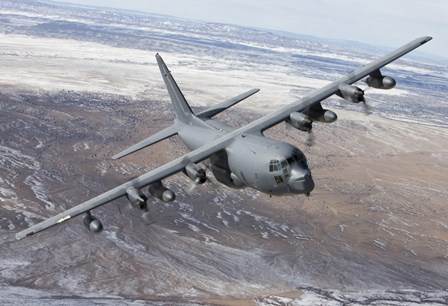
<point>300,121</point>
<point>91,223</point>
<point>323,115</point>
<point>380,82</point>
<point>195,173</point>
<point>136,198</point>
<point>351,93</point>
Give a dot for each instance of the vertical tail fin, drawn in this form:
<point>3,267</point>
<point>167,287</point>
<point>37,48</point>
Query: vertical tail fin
<point>181,107</point>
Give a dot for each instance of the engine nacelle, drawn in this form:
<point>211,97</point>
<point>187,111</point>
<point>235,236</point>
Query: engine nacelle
<point>381,82</point>
<point>92,224</point>
<point>351,93</point>
<point>324,115</point>
<point>160,192</point>
<point>136,198</point>
<point>300,121</point>
<point>196,173</point>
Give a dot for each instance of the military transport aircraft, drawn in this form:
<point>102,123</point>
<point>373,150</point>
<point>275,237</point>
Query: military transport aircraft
<point>238,158</point>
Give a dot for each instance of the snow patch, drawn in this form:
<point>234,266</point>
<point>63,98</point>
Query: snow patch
<point>39,190</point>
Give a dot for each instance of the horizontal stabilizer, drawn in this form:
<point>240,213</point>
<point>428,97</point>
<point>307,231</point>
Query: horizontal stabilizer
<point>214,110</point>
<point>163,134</point>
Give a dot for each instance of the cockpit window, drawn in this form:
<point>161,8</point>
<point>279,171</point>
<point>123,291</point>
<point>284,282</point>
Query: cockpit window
<point>274,165</point>
<point>284,164</point>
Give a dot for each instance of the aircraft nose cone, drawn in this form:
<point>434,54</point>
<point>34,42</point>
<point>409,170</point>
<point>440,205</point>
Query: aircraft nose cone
<point>301,183</point>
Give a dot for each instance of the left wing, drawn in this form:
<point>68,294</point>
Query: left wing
<point>146,179</point>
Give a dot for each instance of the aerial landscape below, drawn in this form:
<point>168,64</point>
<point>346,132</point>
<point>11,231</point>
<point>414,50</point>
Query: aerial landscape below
<point>80,84</point>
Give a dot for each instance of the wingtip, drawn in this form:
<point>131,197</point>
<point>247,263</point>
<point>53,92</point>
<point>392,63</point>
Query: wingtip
<point>122,154</point>
<point>116,156</point>
<point>23,234</point>
<point>425,39</point>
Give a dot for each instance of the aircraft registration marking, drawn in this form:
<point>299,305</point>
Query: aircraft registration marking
<point>63,219</point>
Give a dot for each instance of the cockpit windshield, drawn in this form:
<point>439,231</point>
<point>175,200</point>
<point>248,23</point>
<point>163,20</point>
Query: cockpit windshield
<point>285,165</point>
<point>277,165</point>
<point>274,165</point>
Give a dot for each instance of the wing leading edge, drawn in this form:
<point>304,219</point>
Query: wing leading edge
<point>323,93</point>
<point>221,143</point>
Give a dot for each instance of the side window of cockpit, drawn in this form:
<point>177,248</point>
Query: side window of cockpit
<point>274,165</point>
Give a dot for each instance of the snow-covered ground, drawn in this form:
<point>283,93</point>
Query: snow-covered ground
<point>78,85</point>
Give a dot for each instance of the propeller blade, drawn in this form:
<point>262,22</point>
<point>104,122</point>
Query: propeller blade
<point>311,139</point>
<point>146,216</point>
<point>191,189</point>
<point>367,109</point>
<point>124,207</point>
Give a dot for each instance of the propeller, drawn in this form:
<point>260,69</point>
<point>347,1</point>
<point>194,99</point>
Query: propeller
<point>124,207</point>
<point>148,218</point>
<point>191,188</point>
<point>311,139</point>
<point>129,209</point>
<point>367,109</point>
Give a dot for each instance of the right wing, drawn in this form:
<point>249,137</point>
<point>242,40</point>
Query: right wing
<point>146,179</point>
<point>323,93</point>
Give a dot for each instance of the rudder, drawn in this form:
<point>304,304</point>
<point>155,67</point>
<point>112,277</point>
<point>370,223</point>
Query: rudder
<point>180,104</point>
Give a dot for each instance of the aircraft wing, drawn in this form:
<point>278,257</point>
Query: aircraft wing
<point>146,179</point>
<point>222,142</point>
<point>323,93</point>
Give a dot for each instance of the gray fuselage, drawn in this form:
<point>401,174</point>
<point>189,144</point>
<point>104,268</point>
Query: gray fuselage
<point>268,165</point>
